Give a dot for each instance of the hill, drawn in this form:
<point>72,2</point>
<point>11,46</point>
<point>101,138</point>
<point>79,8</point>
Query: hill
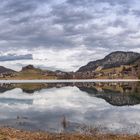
<point>30,72</point>
<point>116,65</point>
<point>114,59</point>
<point>5,70</point>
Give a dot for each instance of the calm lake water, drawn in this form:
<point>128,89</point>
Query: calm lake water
<point>71,107</point>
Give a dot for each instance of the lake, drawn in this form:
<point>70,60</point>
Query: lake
<point>71,107</point>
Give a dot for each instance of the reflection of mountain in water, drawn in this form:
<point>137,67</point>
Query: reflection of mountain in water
<point>5,87</point>
<point>117,94</point>
<point>27,88</point>
<point>31,88</point>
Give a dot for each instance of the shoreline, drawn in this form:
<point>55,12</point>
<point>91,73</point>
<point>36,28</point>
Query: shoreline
<point>69,81</point>
<point>15,134</point>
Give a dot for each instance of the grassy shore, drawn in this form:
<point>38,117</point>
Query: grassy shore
<point>13,134</point>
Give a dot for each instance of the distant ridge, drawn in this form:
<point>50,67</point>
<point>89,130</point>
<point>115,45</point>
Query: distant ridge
<point>5,70</point>
<point>114,59</point>
<point>116,65</point>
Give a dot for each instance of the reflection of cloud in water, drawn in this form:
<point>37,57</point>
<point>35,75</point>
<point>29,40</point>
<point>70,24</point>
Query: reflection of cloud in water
<point>45,109</point>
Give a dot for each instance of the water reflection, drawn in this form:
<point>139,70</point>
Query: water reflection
<point>71,106</point>
<point>117,94</point>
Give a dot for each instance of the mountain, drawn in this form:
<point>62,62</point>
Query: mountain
<point>137,61</point>
<point>28,67</point>
<point>114,59</point>
<point>116,65</point>
<point>5,70</point>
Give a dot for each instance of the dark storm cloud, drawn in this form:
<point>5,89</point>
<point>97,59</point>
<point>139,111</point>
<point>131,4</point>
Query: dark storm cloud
<point>12,57</point>
<point>118,22</point>
<point>12,8</point>
<point>17,7</point>
<point>89,2</point>
<point>66,15</point>
<point>114,2</point>
<point>136,13</point>
<point>25,24</point>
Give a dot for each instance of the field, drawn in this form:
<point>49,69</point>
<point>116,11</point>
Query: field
<point>13,134</point>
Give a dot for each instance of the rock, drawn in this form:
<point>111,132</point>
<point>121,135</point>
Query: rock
<point>28,67</point>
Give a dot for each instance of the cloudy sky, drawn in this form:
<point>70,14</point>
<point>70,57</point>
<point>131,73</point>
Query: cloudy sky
<point>66,34</point>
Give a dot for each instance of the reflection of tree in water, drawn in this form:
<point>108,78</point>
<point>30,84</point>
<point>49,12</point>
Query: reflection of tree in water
<point>30,88</point>
<point>5,87</point>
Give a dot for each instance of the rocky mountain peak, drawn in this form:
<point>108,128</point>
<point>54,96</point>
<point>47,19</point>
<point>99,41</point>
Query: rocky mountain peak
<point>5,70</point>
<point>114,59</point>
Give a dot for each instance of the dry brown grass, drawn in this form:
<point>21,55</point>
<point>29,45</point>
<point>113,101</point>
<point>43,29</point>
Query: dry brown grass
<point>13,134</point>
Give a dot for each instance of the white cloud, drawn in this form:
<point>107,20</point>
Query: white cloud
<point>71,32</point>
<point>135,50</point>
<point>64,59</point>
<point>69,101</point>
<point>114,30</point>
